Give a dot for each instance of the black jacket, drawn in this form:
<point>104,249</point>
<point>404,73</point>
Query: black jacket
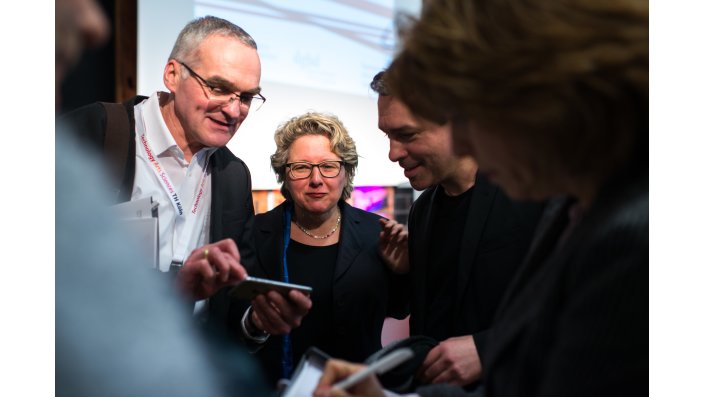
<point>364,290</point>
<point>575,320</point>
<point>497,235</point>
<point>232,211</point>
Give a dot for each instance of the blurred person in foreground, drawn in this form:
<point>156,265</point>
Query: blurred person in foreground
<point>315,238</point>
<point>466,242</point>
<point>551,98</point>
<point>120,329</point>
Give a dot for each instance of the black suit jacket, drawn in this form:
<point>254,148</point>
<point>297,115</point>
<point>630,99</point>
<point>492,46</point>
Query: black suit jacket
<point>575,320</point>
<point>496,237</point>
<point>364,290</point>
<point>232,211</point>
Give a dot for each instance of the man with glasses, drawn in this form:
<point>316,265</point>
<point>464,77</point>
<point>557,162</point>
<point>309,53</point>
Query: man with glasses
<point>175,153</point>
<point>466,241</point>
<point>120,327</point>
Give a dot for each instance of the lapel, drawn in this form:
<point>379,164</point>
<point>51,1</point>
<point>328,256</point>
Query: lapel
<point>549,229</point>
<point>216,211</point>
<point>481,201</point>
<point>270,233</point>
<point>547,233</point>
<point>349,244</point>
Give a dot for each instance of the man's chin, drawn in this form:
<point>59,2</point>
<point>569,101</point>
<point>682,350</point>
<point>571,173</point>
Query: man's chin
<point>418,184</point>
<point>219,138</point>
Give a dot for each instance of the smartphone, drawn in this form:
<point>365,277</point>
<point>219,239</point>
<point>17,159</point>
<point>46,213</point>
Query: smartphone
<point>252,286</point>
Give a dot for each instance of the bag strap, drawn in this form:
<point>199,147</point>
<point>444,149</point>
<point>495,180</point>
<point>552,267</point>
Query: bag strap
<point>117,139</point>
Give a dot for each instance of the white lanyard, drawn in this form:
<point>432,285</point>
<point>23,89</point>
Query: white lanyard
<point>189,217</point>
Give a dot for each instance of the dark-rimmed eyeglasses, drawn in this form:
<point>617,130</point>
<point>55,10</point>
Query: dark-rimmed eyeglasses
<point>221,96</point>
<point>303,169</point>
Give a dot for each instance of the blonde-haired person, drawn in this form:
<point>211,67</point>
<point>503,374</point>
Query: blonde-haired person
<point>317,239</point>
<point>551,98</point>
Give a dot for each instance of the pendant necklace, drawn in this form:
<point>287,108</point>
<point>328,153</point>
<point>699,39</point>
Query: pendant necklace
<point>303,229</point>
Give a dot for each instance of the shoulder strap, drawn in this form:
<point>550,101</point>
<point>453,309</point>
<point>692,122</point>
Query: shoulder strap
<point>117,139</point>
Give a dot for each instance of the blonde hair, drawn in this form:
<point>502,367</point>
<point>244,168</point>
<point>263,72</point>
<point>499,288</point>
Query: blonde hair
<point>313,123</point>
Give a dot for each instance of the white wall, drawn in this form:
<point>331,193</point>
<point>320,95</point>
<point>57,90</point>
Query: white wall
<point>320,57</point>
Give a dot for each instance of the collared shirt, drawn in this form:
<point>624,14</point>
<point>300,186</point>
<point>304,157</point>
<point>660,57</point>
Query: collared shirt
<point>162,172</point>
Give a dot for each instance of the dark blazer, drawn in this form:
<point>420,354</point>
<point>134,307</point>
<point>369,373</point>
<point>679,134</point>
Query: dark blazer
<point>232,211</point>
<point>364,290</point>
<point>496,238</point>
<point>575,320</point>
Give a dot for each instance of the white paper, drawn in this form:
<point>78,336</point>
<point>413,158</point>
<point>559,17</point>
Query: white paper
<point>140,220</point>
<point>306,381</point>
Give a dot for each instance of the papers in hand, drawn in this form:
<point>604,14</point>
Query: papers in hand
<point>307,374</point>
<point>310,368</point>
<point>140,219</point>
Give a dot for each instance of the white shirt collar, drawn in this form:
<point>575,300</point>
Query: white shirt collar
<point>160,138</point>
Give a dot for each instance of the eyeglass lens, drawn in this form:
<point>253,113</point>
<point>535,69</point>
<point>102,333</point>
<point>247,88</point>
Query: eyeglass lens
<point>328,169</point>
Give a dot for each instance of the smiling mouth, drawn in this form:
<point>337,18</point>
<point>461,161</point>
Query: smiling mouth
<point>222,123</point>
<point>410,170</point>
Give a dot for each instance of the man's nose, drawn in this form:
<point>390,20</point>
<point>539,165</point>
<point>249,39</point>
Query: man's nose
<point>396,151</point>
<point>233,109</point>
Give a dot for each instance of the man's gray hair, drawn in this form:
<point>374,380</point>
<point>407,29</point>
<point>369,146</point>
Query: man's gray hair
<point>193,34</point>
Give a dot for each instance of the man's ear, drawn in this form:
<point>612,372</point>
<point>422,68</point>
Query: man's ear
<point>172,75</point>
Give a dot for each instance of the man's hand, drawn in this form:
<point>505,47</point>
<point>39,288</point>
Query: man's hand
<point>278,315</point>
<point>210,268</point>
<point>394,245</point>
<point>337,370</point>
<point>454,361</point>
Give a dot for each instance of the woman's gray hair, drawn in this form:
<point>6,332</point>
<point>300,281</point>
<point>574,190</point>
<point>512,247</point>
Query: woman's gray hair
<point>313,123</point>
<point>196,31</point>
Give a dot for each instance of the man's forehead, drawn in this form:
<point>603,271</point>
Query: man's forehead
<point>394,114</point>
<point>227,59</point>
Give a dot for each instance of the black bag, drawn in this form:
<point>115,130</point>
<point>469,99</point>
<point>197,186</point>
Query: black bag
<point>402,378</point>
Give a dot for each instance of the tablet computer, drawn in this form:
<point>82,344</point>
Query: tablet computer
<point>253,286</point>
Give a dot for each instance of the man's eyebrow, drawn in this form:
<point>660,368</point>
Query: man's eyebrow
<point>406,129</point>
<point>219,81</point>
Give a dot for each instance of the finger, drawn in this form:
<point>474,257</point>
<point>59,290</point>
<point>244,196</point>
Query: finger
<point>200,268</point>
<point>436,369</point>
<point>219,262</point>
<point>227,266</point>
<point>228,245</point>
<point>256,320</point>
<point>334,371</point>
<point>425,370</point>
<point>268,316</point>
<point>301,300</point>
<point>260,321</point>
<point>197,265</point>
<point>398,232</point>
<point>445,377</point>
<point>289,312</point>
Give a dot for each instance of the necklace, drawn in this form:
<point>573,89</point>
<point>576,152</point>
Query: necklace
<point>303,229</point>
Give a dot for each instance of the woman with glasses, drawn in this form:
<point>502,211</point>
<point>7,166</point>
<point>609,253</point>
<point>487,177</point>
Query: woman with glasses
<point>315,238</point>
